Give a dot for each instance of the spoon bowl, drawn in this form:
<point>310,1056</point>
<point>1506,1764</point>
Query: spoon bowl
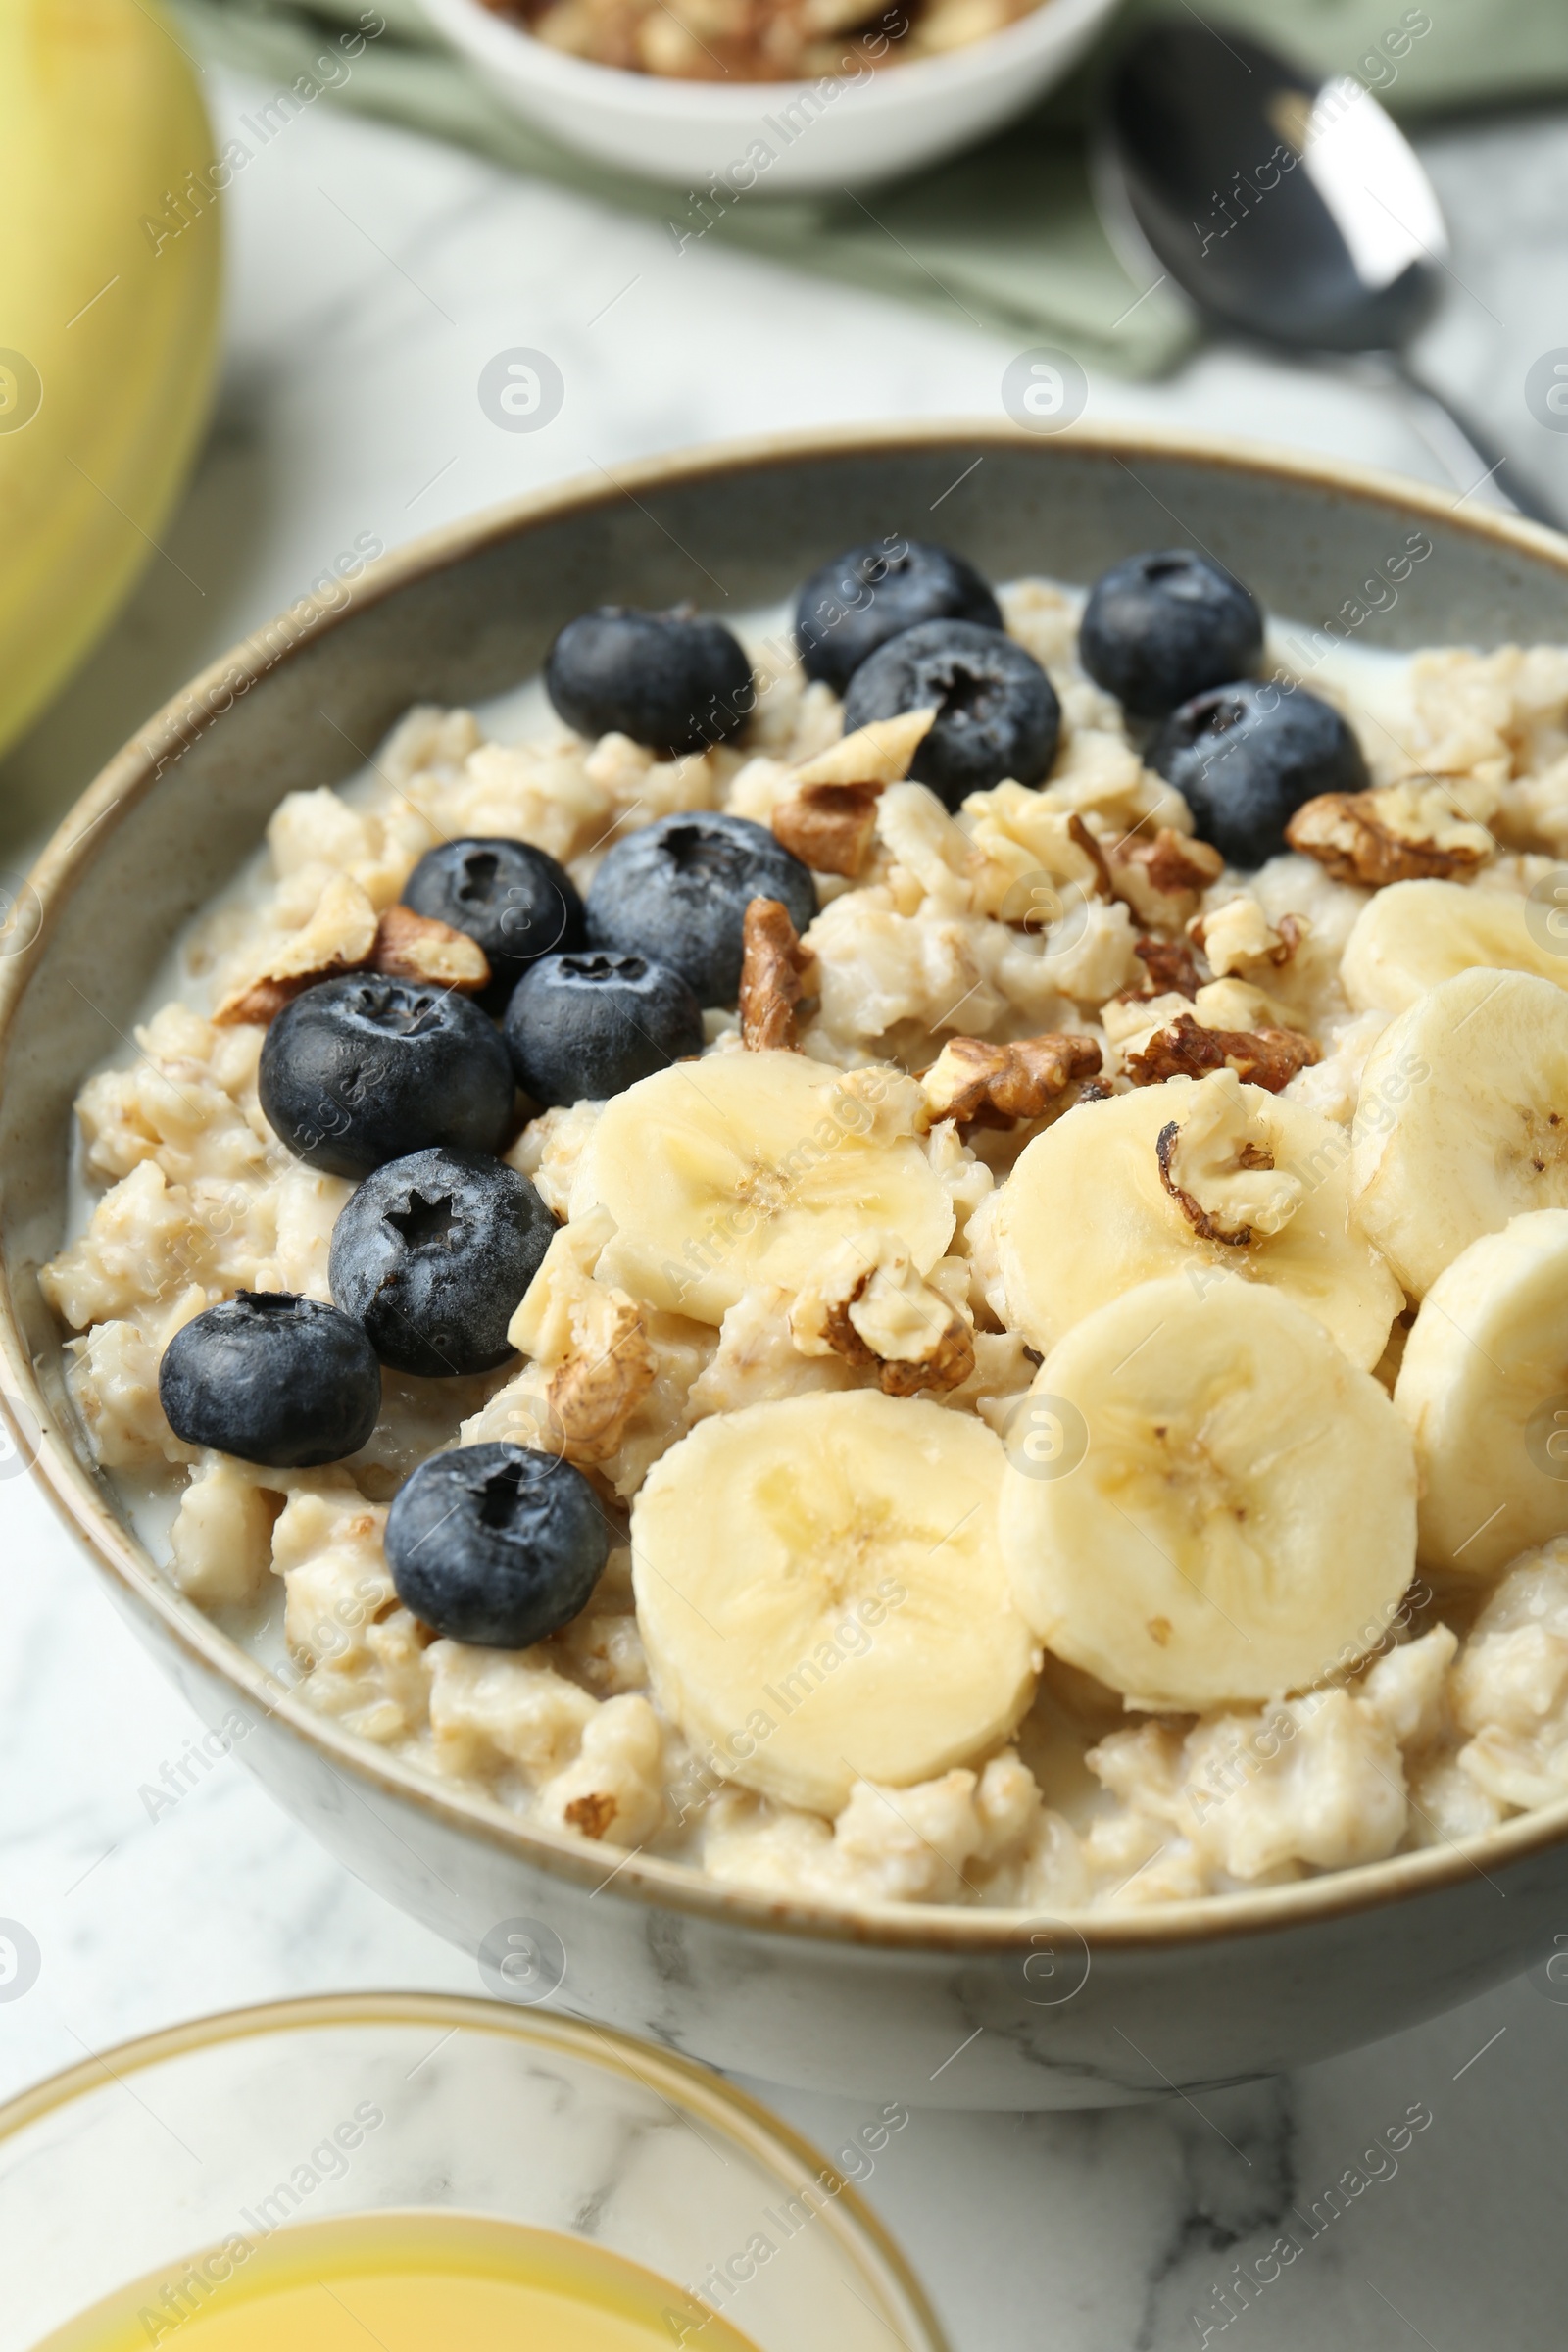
<point>1285,209</point>
<point>1289,209</point>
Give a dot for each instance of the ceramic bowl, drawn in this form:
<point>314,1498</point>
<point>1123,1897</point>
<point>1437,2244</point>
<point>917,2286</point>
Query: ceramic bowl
<point>776,137</point>
<point>962,2007</point>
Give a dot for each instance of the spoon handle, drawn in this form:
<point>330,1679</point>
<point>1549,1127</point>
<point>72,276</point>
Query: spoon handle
<point>1492,462</point>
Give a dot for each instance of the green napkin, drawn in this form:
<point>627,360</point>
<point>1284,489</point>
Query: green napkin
<point>1005,235</point>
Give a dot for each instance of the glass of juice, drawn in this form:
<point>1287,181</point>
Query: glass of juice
<point>429,2174</point>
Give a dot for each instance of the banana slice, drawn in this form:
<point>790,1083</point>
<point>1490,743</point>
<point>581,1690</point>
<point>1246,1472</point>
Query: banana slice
<point>1462,1119</point>
<point>1225,1509</point>
<point>821,1596</point>
<point>1415,935</point>
<point>1208,1176</point>
<point>1484,1385</point>
<point>747,1169</point>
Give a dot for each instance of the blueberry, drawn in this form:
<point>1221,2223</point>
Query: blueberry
<point>677,893</point>
<point>1162,627</point>
<point>514,899</point>
<point>358,1071</point>
<point>590,1025</point>
<point>274,1379</point>
<point>997,712</point>
<point>432,1255</point>
<point>669,681</point>
<point>1245,757</point>
<point>496,1544</point>
<point>870,594</point>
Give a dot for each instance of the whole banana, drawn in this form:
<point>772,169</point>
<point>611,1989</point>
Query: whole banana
<point>109,285</point>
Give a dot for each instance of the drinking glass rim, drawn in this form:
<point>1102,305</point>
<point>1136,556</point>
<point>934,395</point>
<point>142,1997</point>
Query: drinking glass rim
<point>682,2082</point>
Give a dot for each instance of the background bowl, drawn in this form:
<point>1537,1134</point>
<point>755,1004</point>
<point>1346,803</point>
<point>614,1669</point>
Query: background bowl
<point>776,137</point>
<point>960,2007</point>
<point>169,2145</point>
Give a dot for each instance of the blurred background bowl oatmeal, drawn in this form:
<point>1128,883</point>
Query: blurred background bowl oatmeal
<point>757,40</point>
<point>758,97</point>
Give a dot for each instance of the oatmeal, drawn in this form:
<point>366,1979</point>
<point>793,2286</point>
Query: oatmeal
<point>759,40</point>
<point>961,1323</point>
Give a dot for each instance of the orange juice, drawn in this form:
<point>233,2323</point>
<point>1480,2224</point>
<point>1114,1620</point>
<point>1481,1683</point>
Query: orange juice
<point>408,2281</point>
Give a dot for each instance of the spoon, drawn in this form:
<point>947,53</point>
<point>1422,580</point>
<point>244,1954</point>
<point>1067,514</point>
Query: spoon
<point>1290,211</point>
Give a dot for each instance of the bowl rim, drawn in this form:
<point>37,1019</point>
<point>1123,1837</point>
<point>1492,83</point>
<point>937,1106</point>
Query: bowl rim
<point>79,1497</point>
<point>681,2082</point>
<point>675,97</point>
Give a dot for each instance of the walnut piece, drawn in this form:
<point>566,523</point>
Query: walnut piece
<point>1160,878</point>
<point>880,754</point>
<point>261,1003</point>
<point>867,1304</point>
<point>419,947</point>
<point>829,827</point>
<point>1185,1049</point>
<point>1239,933</point>
<point>1395,833</point>
<point>1170,966</point>
<point>772,961</point>
<point>829,819</point>
<point>980,1084</point>
<point>339,938</point>
<point>1220,1172</point>
<point>593,1393</point>
<point>1130,1017</point>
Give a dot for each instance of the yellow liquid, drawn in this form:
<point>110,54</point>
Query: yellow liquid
<point>409,2282</point>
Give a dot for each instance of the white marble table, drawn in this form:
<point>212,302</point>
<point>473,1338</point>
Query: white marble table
<point>372,274</point>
